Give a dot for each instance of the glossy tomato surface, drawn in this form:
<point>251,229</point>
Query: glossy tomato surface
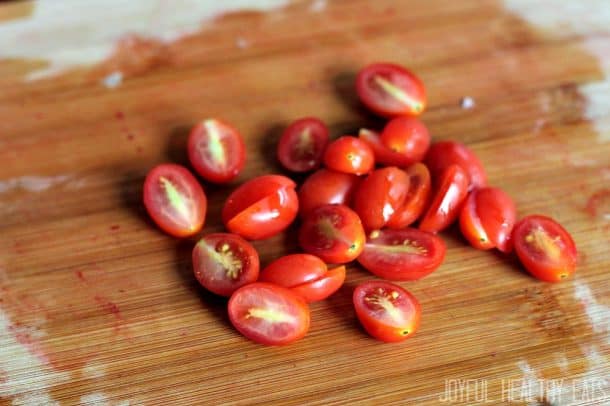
<point>390,90</point>
<point>383,154</point>
<point>326,186</point>
<point>175,200</point>
<point>445,153</point>
<point>349,155</point>
<point>447,200</point>
<point>332,232</point>
<point>269,314</point>
<point>407,136</point>
<point>223,262</point>
<point>261,207</point>
<point>545,248</point>
<point>487,219</point>
<point>416,199</point>
<point>216,151</point>
<point>386,311</point>
<point>402,255</point>
<point>380,195</point>
<point>302,144</point>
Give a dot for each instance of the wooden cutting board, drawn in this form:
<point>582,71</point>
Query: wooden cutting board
<point>98,307</point>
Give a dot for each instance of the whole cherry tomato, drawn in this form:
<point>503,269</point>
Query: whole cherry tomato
<point>261,207</point>
<point>416,199</point>
<point>302,144</point>
<point>175,200</point>
<point>444,153</point>
<point>390,90</point>
<point>216,151</point>
<point>383,154</point>
<point>407,136</point>
<point>224,262</point>
<point>545,248</point>
<point>326,186</point>
<point>349,155</point>
<point>386,311</point>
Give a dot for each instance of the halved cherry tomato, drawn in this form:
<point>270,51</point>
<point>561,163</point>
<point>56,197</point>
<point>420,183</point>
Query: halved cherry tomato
<point>304,274</point>
<point>269,314</point>
<point>175,200</point>
<point>416,199</point>
<point>407,136</point>
<point>386,311</point>
<point>216,151</point>
<point>383,154</point>
<point>261,207</point>
<point>545,248</point>
<point>326,186</point>
<point>349,155</point>
<point>302,144</point>
<point>487,219</point>
<point>380,195</point>
<point>224,262</point>
<point>332,232</point>
<point>447,201</point>
<point>444,153</point>
<point>390,90</point>
<point>402,255</point>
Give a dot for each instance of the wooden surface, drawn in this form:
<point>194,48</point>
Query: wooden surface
<point>99,307</point>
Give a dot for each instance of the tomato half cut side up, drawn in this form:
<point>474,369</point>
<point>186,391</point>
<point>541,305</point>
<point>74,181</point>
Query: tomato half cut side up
<point>349,155</point>
<point>224,262</point>
<point>332,232</point>
<point>447,200</point>
<point>175,200</point>
<point>302,144</point>
<point>269,314</point>
<point>416,199</point>
<point>326,186</point>
<point>442,154</point>
<point>545,248</point>
<point>402,255</point>
<point>216,150</point>
<point>487,219</point>
<point>386,311</point>
<point>390,90</point>
<point>407,136</point>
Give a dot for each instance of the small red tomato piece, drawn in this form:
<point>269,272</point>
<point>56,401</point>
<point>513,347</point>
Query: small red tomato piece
<point>216,151</point>
<point>269,314</point>
<point>380,195</point>
<point>402,255</point>
<point>444,153</point>
<point>349,155</point>
<point>545,248</point>
<point>407,136</point>
<point>326,186</point>
<point>390,90</point>
<point>261,207</point>
<point>386,311</point>
<point>332,232</point>
<point>447,200</point>
<point>416,199</point>
<point>487,219</point>
<point>383,154</point>
<point>224,262</point>
<point>302,144</point>
<point>175,200</point>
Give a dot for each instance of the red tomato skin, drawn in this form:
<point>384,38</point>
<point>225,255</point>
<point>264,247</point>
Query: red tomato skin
<point>349,155</point>
<point>238,250</point>
<point>273,294</point>
<point>290,146</point>
<point>323,287</point>
<point>447,200</point>
<point>379,196</point>
<point>233,151</point>
<point>407,136</point>
<point>155,195</point>
<point>444,153</point>
<point>379,101</point>
<point>326,186</point>
<point>422,254</point>
<point>332,232</point>
<point>417,197</point>
<point>374,324</point>
<point>537,260</point>
<point>292,270</point>
<point>383,155</point>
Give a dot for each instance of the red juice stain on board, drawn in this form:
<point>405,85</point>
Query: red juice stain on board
<point>598,204</point>
<point>119,115</point>
<point>108,306</point>
<point>115,227</point>
<point>80,275</point>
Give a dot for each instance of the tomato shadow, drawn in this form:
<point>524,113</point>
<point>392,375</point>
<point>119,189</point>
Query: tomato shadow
<point>345,91</point>
<point>340,303</point>
<point>130,187</point>
<point>176,149</point>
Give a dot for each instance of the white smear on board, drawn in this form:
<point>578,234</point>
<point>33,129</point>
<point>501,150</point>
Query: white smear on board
<point>94,399</point>
<point>92,370</point>
<point>114,80</point>
<point>242,43</point>
<point>529,389</point>
<point>32,183</point>
<point>317,6</point>
<point>467,103</point>
<point>85,33</point>
<point>597,313</point>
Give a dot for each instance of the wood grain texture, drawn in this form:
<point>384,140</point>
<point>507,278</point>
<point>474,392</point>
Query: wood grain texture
<point>99,307</point>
